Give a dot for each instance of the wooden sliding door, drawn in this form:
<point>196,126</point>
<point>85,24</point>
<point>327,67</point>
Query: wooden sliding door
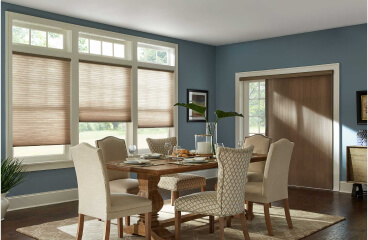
<point>300,109</point>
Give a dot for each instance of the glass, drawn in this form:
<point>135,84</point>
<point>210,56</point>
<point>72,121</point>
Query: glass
<point>107,48</point>
<point>119,50</point>
<point>56,40</point>
<point>95,47</point>
<point>89,132</point>
<point>240,144</point>
<point>162,57</point>
<point>30,151</point>
<point>83,45</point>
<point>254,125</point>
<point>132,149</point>
<point>262,90</point>
<point>219,145</point>
<point>38,38</point>
<point>20,35</point>
<point>253,107</point>
<point>254,90</point>
<point>144,133</point>
<point>203,144</point>
<point>168,147</point>
<point>177,151</point>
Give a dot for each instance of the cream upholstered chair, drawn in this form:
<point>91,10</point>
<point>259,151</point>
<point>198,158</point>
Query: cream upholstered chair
<point>95,198</point>
<point>229,198</point>
<point>114,149</point>
<point>275,181</point>
<point>175,182</point>
<point>261,146</point>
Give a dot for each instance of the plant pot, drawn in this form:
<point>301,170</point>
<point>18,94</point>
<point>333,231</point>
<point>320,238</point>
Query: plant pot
<point>4,205</point>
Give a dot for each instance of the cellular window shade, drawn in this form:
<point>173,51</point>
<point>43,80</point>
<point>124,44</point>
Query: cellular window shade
<point>40,100</point>
<point>155,98</point>
<point>104,92</point>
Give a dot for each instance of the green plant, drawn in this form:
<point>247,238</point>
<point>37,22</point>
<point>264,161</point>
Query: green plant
<point>202,110</point>
<point>12,173</point>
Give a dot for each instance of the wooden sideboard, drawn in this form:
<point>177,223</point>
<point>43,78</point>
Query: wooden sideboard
<point>356,164</point>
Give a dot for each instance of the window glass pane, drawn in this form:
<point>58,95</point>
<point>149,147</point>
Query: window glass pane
<point>262,107</point>
<point>38,38</point>
<point>262,90</point>
<point>107,48</point>
<point>253,107</point>
<point>95,47</point>
<point>253,124</point>
<point>162,57</point>
<point>119,50</point>
<point>20,35</point>
<point>146,55</point>
<point>56,40</point>
<point>144,133</point>
<point>262,125</point>
<point>90,132</point>
<point>38,150</point>
<point>253,90</point>
<point>83,45</point>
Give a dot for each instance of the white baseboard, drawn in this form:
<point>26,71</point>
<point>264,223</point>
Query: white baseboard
<point>42,199</point>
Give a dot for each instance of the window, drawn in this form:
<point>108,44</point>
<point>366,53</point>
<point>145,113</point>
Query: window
<point>255,107</point>
<point>54,104</point>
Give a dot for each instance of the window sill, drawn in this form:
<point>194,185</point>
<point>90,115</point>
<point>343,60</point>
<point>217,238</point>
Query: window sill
<point>41,166</point>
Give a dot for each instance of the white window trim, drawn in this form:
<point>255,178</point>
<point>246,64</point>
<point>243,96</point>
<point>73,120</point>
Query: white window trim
<point>335,67</point>
<point>71,42</point>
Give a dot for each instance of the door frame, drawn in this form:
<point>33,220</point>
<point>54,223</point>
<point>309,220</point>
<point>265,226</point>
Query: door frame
<point>335,67</point>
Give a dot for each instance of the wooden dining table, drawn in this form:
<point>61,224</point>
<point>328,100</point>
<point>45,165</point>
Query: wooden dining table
<point>148,178</point>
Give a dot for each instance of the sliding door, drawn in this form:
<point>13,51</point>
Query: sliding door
<point>300,109</point>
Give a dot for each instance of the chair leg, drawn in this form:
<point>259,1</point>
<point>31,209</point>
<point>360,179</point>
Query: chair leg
<point>177,224</point>
<point>228,221</point>
<point>268,218</point>
<point>127,221</point>
<point>221,226</point>
<point>80,226</point>
<point>174,196</point>
<point>212,224</point>
<point>244,226</point>
<point>287,213</point>
<point>216,187</point>
<point>120,227</point>
<point>270,205</point>
<point>249,211</point>
<point>107,230</point>
<point>203,188</point>
<point>147,223</point>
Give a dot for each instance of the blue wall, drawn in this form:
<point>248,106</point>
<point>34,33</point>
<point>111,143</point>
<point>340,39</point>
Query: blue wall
<point>347,46</point>
<point>196,71</point>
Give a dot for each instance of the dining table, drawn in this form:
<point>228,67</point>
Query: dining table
<point>148,177</point>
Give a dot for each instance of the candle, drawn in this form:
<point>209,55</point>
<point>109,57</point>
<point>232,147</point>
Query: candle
<point>204,148</point>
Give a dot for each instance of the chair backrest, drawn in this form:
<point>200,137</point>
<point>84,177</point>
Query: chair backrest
<point>158,145</point>
<point>261,145</point>
<point>232,172</point>
<point>93,183</point>
<point>276,174</point>
<point>113,149</point>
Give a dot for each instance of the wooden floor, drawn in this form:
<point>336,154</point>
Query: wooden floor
<point>341,204</point>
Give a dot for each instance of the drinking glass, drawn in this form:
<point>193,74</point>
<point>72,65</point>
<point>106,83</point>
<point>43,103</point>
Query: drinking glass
<point>219,145</point>
<point>168,147</point>
<point>177,151</point>
<point>132,149</point>
<point>240,144</point>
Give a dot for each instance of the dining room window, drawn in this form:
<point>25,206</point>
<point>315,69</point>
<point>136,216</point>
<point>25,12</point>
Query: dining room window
<point>254,107</point>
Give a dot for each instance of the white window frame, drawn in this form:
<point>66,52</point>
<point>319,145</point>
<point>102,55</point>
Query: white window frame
<point>246,106</point>
<point>70,51</point>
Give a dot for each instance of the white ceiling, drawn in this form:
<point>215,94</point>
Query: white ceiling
<point>214,22</point>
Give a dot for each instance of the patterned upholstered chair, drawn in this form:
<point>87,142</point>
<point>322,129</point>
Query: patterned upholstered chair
<point>95,198</point>
<point>229,198</point>
<point>175,182</point>
<point>261,145</point>
<point>114,149</point>
<point>274,186</point>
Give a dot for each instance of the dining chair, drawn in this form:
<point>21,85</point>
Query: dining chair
<point>228,200</point>
<point>114,149</point>
<point>274,186</point>
<point>95,197</point>
<point>179,181</point>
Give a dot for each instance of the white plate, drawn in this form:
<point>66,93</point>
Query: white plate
<point>151,155</point>
<point>194,161</point>
<point>136,161</point>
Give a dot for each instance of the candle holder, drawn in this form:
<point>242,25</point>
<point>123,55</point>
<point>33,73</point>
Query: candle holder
<point>203,144</point>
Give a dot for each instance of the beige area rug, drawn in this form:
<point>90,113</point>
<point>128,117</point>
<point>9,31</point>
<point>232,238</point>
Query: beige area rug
<point>305,224</point>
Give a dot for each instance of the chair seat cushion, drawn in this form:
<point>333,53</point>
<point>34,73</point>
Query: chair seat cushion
<point>127,185</point>
<point>254,177</point>
<point>253,192</point>
<point>123,204</point>
<point>181,181</point>
<point>201,203</point>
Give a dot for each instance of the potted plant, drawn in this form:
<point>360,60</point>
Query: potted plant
<point>202,110</point>
<point>12,174</point>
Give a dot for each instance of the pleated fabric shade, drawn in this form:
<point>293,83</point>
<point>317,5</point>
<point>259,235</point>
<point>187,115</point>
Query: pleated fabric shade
<point>155,98</point>
<point>40,100</point>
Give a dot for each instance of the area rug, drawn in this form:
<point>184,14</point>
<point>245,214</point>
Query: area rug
<point>305,224</point>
